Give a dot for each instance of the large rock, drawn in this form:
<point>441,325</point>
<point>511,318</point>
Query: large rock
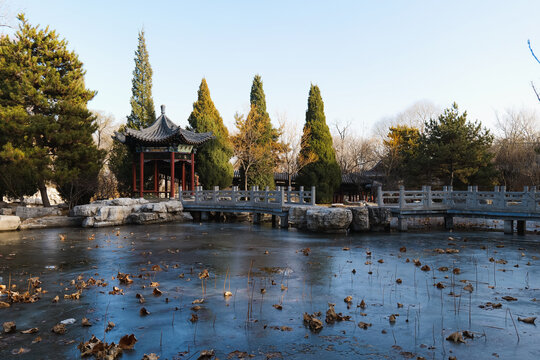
<point>9,222</point>
<point>124,211</point>
<point>50,222</point>
<point>88,222</point>
<point>85,210</point>
<point>329,220</point>
<point>100,224</point>
<point>174,206</point>
<point>25,212</point>
<point>360,221</point>
<point>143,218</point>
<point>126,202</point>
<point>52,194</point>
<point>155,217</point>
<point>298,216</point>
<point>113,214</point>
<point>379,218</point>
<point>154,207</point>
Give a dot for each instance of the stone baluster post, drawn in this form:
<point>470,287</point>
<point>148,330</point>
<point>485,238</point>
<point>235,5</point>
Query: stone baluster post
<point>401,196</point>
<point>216,194</point>
<point>289,189</point>
<point>502,197</point>
<point>313,197</point>
<point>197,195</point>
<point>234,196</point>
<point>469,201</point>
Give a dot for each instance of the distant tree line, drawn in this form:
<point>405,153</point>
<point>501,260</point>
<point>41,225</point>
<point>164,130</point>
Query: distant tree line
<point>49,137</point>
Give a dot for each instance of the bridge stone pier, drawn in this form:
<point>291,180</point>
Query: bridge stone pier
<point>514,208</point>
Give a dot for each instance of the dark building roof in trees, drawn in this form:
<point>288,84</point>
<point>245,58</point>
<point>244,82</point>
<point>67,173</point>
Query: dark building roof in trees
<point>162,131</point>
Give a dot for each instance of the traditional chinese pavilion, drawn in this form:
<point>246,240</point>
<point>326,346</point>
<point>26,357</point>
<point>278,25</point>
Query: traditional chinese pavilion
<point>161,150</point>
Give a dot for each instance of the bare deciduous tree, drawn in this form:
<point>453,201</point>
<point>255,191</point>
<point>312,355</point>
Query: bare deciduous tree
<point>538,61</point>
<point>517,149</point>
<point>107,183</point>
<point>291,140</point>
<point>105,130</point>
<point>354,154</point>
<point>414,116</point>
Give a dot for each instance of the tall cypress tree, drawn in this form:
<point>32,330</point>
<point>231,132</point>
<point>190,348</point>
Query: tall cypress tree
<point>142,115</point>
<point>45,125</point>
<point>324,173</point>
<point>263,172</point>
<point>142,105</point>
<point>213,157</point>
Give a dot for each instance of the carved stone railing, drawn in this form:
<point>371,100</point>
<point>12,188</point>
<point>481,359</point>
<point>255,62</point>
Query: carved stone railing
<point>500,200</point>
<point>254,199</point>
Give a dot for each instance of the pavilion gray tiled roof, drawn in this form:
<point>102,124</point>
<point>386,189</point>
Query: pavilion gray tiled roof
<point>163,131</point>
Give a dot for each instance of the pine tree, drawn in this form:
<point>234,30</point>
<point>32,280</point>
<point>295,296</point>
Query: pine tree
<point>120,163</point>
<point>45,125</point>
<point>324,173</point>
<point>212,158</point>
<point>142,105</point>
<point>459,151</point>
<point>262,174</point>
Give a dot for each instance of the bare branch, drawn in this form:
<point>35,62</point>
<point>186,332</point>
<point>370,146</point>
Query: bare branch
<point>536,92</point>
<point>532,52</point>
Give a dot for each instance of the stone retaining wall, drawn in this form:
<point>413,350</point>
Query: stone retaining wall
<point>25,212</point>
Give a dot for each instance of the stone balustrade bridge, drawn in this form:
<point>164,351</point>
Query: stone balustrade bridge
<point>516,206</point>
<point>274,202</point>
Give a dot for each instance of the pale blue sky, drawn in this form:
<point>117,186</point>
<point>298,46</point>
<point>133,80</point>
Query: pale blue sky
<point>371,59</point>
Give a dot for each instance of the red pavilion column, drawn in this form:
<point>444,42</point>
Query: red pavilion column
<point>156,178</point>
<point>192,171</point>
<point>184,175</point>
<point>134,175</point>
<point>141,182</point>
<point>172,175</point>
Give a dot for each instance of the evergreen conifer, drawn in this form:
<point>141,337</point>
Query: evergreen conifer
<point>458,151</point>
<point>324,172</point>
<point>142,105</point>
<point>142,115</point>
<point>212,158</point>
<point>262,174</point>
<point>45,125</point>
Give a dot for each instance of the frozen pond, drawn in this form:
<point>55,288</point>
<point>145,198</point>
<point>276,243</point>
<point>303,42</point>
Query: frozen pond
<point>364,267</point>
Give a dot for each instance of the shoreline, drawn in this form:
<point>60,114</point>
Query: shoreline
<point>425,225</point>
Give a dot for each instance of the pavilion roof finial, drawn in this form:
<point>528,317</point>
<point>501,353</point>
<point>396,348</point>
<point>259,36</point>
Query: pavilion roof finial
<point>162,109</point>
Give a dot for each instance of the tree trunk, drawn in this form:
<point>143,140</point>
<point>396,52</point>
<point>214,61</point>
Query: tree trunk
<point>44,196</point>
<point>246,177</point>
